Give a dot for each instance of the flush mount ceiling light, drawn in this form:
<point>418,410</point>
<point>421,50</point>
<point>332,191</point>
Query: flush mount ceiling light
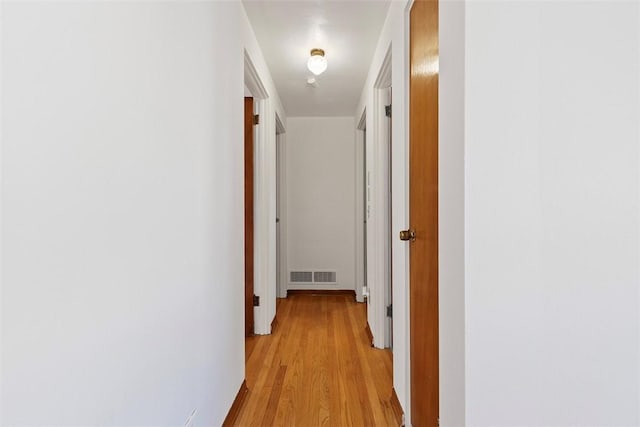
<point>317,63</point>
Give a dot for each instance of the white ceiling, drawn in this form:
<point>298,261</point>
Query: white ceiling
<point>348,32</point>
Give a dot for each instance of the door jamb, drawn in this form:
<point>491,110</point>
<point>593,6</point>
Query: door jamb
<point>401,271</point>
<point>360,148</point>
<point>378,243</point>
<point>264,201</point>
<point>281,151</point>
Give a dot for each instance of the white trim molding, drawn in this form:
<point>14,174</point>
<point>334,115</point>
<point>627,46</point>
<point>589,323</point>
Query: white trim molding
<point>360,194</point>
<point>264,203</point>
<point>378,225</point>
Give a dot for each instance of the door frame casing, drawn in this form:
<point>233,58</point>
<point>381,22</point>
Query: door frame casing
<point>377,175</point>
<point>382,199</point>
<point>264,200</point>
<point>360,156</point>
<point>379,227</point>
<point>281,176</point>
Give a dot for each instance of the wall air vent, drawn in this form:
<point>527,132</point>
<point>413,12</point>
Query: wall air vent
<point>310,277</point>
<point>324,277</point>
<point>301,277</point>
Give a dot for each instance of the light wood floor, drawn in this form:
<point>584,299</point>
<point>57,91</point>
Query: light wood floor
<point>318,368</point>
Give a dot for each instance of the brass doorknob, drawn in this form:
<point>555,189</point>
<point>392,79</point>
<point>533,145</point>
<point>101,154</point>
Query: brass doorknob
<point>408,235</point>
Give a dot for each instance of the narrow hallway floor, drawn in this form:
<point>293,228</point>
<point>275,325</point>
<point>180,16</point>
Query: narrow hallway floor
<point>318,368</point>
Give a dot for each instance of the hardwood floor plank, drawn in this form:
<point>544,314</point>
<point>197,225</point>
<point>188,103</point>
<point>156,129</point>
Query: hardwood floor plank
<point>336,384</point>
<point>378,361</point>
<point>318,368</point>
<point>274,397</point>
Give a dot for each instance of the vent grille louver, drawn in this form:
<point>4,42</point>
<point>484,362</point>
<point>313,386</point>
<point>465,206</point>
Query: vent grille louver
<point>311,277</point>
<point>301,277</point>
<point>324,277</point>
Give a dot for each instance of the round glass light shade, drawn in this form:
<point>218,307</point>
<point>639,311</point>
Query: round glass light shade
<point>317,63</point>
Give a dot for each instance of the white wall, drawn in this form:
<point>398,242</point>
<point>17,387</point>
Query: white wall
<point>552,195</point>
<point>321,197</point>
<point>122,212</point>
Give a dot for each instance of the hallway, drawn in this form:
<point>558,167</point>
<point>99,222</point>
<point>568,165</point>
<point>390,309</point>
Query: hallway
<point>318,368</point>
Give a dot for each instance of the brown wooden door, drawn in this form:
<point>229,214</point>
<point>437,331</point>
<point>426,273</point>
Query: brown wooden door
<point>423,212</point>
<point>248,216</point>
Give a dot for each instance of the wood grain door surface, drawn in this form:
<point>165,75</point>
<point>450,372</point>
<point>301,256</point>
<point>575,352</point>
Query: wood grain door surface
<point>248,216</point>
<point>423,212</point>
